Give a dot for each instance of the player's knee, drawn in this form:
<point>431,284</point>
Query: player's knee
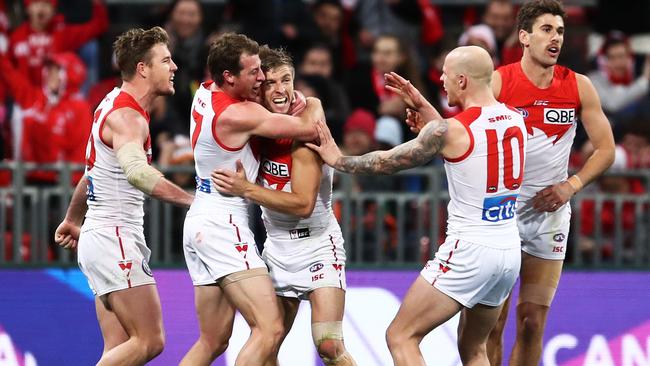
<point>531,322</point>
<point>154,345</point>
<point>215,344</point>
<point>395,338</point>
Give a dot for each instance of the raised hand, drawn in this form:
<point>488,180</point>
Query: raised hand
<point>409,93</point>
<point>414,120</point>
<point>298,103</point>
<point>327,149</point>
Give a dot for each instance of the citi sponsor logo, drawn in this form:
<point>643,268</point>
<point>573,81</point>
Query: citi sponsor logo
<point>559,116</point>
<point>499,208</point>
<point>275,168</point>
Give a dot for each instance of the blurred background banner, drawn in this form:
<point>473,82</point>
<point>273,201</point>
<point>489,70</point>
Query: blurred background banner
<point>47,317</point>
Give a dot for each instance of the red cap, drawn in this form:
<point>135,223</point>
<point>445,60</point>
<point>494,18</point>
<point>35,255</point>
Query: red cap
<point>29,2</point>
<point>361,120</point>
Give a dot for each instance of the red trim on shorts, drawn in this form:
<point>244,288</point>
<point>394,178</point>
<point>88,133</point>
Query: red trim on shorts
<point>119,238</point>
<point>117,232</point>
<point>236,229</point>
<point>336,259</point>
<point>445,268</point>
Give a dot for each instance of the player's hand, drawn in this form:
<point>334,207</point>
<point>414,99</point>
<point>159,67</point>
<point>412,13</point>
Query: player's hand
<point>414,120</point>
<point>327,148</point>
<point>67,234</point>
<point>229,182</point>
<point>298,103</point>
<point>402,87</point>
<point>553,197</point>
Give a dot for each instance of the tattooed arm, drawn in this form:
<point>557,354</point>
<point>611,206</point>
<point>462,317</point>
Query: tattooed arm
<point>429,142</point>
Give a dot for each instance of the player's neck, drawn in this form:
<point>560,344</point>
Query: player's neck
<point>141,93</point>
<point>541,76</point>
<point>479,98</point>
<point>227,89</point>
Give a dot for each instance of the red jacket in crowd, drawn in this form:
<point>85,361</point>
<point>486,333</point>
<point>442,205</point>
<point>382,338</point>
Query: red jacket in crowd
<point>28,47</point>
<point>55,126</point>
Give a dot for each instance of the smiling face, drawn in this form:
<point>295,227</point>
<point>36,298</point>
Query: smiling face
<point>161,70</point>
<point>544,43</point>
<point>277,89</point>
<point>247,84</point>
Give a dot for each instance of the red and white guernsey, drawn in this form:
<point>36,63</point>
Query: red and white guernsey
<point>112,200</point>
<point>485,181</point>
<point>550,115</point>
<point>275,173</point>
<point>210,153</point>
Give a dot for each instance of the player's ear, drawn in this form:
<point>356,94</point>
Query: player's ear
<point>142,70</point>
<point>228,77</point>
<point>524,37</point>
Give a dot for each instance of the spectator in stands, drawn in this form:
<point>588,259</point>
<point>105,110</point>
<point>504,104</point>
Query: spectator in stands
<point>46,32</point>
<point>500,16</point>
<point>317,64</point>
<point>390,53</point>
<point>5,131</point>
<point>187,45</point>
<point>621,92</point>
<point>436,58</point>
<point>57,119</point>
<point>332,23</point>
<point>480,35</point>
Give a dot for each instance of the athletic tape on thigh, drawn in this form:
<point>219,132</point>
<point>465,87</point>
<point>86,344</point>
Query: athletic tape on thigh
<point>536,294</point>
<point>322,331</point>
<point>242,275</point>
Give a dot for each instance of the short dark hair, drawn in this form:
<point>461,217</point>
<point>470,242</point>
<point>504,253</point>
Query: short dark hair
<point>225,54</point>
<point>274,57</point>
<point>134,46</point>
<point>531,10</point>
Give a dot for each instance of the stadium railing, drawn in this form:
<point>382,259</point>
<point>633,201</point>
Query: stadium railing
<point>381,228</point>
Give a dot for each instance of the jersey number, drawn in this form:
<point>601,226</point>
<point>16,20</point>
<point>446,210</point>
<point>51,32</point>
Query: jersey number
<point>198,119</point>
<point>509,180</point>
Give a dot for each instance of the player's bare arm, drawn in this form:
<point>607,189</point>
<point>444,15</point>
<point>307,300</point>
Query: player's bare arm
<point>128,131</point>
<point>67,233</point>
<point>251,119</point>
<point>496,83</point>
<point>419,111</point>
<point>429,142</point>
<point>299,202</point>
<point>600,135</point>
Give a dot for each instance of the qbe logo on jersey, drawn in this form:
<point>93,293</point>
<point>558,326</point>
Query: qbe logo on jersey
<point>499,208</point>
<point>275,168</point>
<point>559,116</point>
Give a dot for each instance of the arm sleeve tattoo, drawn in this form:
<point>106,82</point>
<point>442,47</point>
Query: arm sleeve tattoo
<point>416,152</point>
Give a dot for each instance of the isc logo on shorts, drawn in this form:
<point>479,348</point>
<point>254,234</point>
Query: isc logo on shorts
<point>499,208</point>
<point>276,169</point>
<point>559,116</point>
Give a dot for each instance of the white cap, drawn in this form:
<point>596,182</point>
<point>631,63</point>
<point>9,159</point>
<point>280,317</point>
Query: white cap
<point>388,130</point>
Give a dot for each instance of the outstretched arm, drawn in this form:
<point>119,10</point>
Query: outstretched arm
<point>411,96</point>
<point>429,142</point>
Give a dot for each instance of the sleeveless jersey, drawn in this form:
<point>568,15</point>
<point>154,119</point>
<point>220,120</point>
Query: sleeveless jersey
<point>210,153</point>
<point>485,181</point>
<point>550,115</point>
<point>111,199</point>
<point>275,173</point>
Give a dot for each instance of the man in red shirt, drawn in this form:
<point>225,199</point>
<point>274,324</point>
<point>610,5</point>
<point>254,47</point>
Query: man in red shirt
<point>46,32</point>
<point>56,117</point>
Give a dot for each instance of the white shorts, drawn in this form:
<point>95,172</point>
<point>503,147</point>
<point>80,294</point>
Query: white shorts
<point>305,259</point>
<point>114,258</point>
<point>218,245</point>
<point>544,234</point>
<point>471,273</point>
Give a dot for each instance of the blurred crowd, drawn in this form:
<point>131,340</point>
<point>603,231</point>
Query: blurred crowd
<point>56,66</point>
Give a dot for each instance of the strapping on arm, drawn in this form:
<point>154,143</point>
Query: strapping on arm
<point>138,173</point>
